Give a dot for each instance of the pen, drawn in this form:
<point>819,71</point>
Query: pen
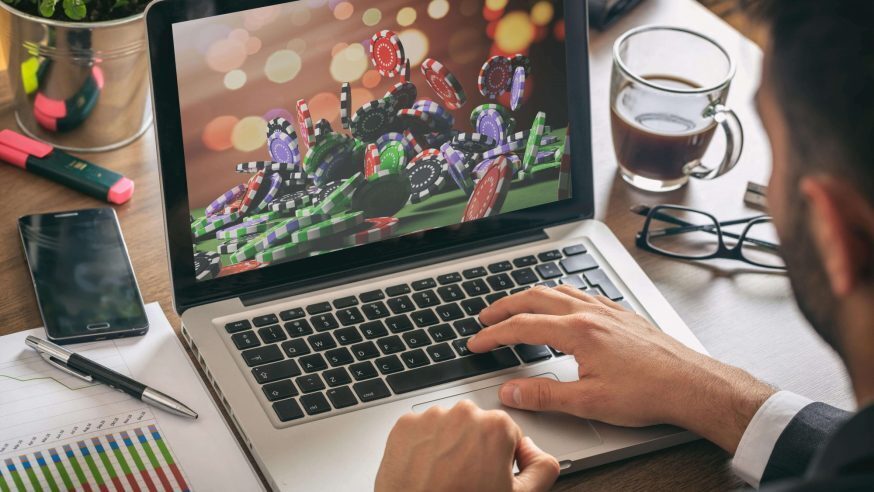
<point>88,370</point>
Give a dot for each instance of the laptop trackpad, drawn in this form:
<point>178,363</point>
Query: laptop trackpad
<point>556,433</point>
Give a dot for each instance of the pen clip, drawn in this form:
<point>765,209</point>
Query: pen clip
<point>48,358</point>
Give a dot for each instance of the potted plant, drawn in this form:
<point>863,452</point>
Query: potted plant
<point>78,70</point>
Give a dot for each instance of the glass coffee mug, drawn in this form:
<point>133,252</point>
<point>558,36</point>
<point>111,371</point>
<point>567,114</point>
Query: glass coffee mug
<point>667,97</point>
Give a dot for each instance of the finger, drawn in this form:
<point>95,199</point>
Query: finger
<point>537,300</point>
<point>537,469</point>
<point>540,394</point>
<point>535,329</point>
<point>580,295</point>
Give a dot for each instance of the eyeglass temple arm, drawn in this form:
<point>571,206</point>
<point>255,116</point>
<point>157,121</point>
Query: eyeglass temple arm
<point>689,227</point>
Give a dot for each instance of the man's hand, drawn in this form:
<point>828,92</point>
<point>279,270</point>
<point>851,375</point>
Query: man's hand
<point>631,373</point>
<point>463,448</point>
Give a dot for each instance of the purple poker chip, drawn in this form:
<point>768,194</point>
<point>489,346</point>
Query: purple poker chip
<point>548,140</point>
<point>226,198</point>
<point>504,149</point>
<point>491,123</point>
<point>517,89</point>
<point>438,113</point>
<point>480,169</point>
<point>272,191</point>
<point>283,148</point>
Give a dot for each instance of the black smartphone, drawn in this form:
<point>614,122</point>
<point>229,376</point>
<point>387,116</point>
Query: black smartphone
<point>85,284</point>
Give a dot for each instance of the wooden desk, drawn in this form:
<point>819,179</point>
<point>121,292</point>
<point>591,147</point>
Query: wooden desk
<point>748,319</point>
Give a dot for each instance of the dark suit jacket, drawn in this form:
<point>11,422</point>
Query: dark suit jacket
<point>823,448</point>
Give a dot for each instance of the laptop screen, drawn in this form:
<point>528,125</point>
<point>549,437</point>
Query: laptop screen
<point>321,125</point>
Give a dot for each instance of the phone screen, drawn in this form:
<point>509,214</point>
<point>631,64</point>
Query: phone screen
<point>84,281</point>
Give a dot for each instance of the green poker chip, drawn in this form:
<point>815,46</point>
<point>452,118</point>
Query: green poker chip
<point>338,201</point>
<point>509,121</point>
<point>282,252</point>
<point>317,154</point>
<point>328,228</point>
<point>276,235</point>
<point>216,224</point>
<point>392,157</point>
<point>532,146</point>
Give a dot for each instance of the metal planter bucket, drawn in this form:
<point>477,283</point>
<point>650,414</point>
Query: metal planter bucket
<point>78,86</point>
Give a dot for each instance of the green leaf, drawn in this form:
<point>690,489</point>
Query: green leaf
<point>47,7</point>
<point>75,9</point>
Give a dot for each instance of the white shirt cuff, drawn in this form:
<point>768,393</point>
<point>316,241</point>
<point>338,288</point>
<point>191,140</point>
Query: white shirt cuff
<point>757,443</point>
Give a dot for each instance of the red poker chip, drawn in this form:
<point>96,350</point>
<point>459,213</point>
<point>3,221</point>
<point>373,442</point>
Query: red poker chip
<point>406,71</point>
<point>240,268</point>
<point>252,187</point>
<point>490,191</point>
<point>444,83</point>
<point>387,53</point>
<point>371,160</point>
<point>377,229</point>
<point>425,153</point>
<point>305,125</point>
<point>495,76</point>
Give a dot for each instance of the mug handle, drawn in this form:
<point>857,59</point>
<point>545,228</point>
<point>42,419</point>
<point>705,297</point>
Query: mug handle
<point>734,143</point>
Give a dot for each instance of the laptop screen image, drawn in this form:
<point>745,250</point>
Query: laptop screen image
<point>322,125</point>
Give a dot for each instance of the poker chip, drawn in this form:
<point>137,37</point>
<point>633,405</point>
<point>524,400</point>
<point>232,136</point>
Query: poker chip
<point>206,265</point>
<point>226,198</point>
<point>317,154</point>
<point>387,53</point>
<point>243,229</point>
<point>417,121</point>
<point>233,245</point>
<point>406,72</point>
<point>427,177</point>
<point>443,83</point>
<point>291,201</point>
<point>217,222</point>
<point>265,194</point>
<point>328,227</point>
<point>240,268</point>
<point>282,252</point>
<point>523,61</point>
<point>411,145</point>
<point>461,176</point>
<point>506,115</point>
<point>323,192</point>
<point>515,162</point>
<point>495,76</point>
<point>421,155</point>
<point>491,124</point>
<point>490,192</point>
<point>371,160</point>
<point>442,117</point>
<point>523,135</point>
<point>547,156</point>
<point>323,127</point>
<point>339,200</point>
<point>473,142</point>
<point>340,162</point>
<point>452,156</point>
<point>517,89</point>
<point>504,149</point>
<point>532,146</point>
<point>393,157</point>
<point>252,187</point>
<point>280,125</point>
<point>383,194</point>
<point>378,229</point>
<point>305,125</point>
<point>282,147</point>
<point>371,120</point>
<point>480,169</point>
<point>403,94</point>
<point>279,234</point>
<point>346,105</point>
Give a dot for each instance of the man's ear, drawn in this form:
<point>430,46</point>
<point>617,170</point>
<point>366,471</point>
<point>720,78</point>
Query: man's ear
<point>841,220</point>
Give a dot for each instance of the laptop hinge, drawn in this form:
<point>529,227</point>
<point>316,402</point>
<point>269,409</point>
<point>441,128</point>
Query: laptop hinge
<point>389,267</point>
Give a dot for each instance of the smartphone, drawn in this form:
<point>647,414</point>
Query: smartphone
<point>85,284</point>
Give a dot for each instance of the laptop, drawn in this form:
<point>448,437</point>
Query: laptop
<point>325,307</point>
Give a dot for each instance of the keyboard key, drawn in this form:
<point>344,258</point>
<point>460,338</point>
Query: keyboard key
<point>401,304</point>
<point>425,283</point>
<point>272,334</point>
<point>548,270</point>
<point>318,308</point>
<point>474,272</point>
<point>310,383</point>
<point>348,335</point>
<point>264,320</point>
<point>296,347</point>
<point>449,312</point>
<point>390,364</point>
<point>322,341</point>
<point>441,333</point>
<point>313,363</point>
<point>375,310</point>
<point>501,266</point>
<point>449,278</point>
<point>391,345</point>
<point>370,296</point>
<point>339,357</point>
<point>373,329</point>
<point>287,410</point>
<point>475,287</point>
<point>261,355</point>
<point>336,377</point>
<point>426,299</point>
<point>549,255</point>
<point>574,281</point>
<point>362,370</point>
<point>599,278</point>
<point>415,358</point>
<point>533,353</point>
<point>315,403</point>
<point>291,314</point>
<point>371,390</point>
<point>425,317</point>
<point>298,328</point>
<point>279,390</point>
<point>491,298</point>
<point>440,352</point>
<point>473,306</point>
<point>519,289</point>
<point>575,249</point>
<point>450,293</point>
<point>548,283</point>
<point>350,316</point>
<point>453,370</point>
<point>467,327</point>
<point>416,339</point>
<point>341,397</point>
<point>244,340</point>
<point>278,370</point>
<point>501,281</point>
<point>345,302</point>
<point>235,326</point>
<point>460,347</point>
<point>398,324</point>
<point>627,306</point>
<point>324,322</point>
<point>524,261</point>
<point>364,351</point>
<point>524,276</point>
<point>579,263</point>
<point>397,290</point>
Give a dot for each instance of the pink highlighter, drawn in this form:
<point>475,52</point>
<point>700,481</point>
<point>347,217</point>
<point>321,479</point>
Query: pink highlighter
<point>57,165</point>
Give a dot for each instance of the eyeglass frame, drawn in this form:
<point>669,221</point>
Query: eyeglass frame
<point>722,252</point>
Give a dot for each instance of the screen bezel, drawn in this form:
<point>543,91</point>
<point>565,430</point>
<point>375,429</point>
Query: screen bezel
<point>188,292</point>
<point>123,327</point>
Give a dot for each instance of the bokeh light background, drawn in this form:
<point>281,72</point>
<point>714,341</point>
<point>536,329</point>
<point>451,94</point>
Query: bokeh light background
<point>237,71</point>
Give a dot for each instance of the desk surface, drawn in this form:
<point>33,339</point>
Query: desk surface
<point>742,317</point>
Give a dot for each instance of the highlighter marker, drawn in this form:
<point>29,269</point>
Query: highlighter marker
<point>57,165</point>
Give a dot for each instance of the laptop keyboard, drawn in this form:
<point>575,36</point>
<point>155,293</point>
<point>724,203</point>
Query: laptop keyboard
<point>330,356</point>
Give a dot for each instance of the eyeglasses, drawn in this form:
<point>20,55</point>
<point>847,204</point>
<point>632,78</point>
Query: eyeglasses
<point>697,235</point>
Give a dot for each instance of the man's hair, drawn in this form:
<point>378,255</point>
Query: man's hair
<point>822,72</point>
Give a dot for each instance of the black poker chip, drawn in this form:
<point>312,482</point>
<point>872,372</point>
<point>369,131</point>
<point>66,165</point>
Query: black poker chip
<point>291,201</point>
<point>323,192</point>
<point>404,95</point>
<point>383,194</point>
<point>427,177</point>
<point>279,125</point>
<point>323,127</point>
<point>473,142</point>
<point>207,265</point>
<point>373,119</point>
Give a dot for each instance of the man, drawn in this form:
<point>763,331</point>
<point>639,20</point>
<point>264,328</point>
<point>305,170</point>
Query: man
<point>816,102</point>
